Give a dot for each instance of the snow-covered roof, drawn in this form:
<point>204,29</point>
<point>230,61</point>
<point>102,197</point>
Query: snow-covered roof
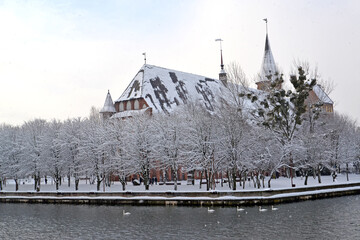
<point>108,105</point>
<point>268,67</point>
<point>164,89</point>
<point>322,95</point>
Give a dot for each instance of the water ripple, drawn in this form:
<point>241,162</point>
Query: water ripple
<point>320,219</point>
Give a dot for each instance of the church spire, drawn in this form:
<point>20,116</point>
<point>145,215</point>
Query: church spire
<point>268,66</point>
<point>108,109</point>
<point>222,74</point>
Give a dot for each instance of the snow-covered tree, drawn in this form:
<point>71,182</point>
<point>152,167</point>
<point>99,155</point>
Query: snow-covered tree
<point>53,161</point>
<point>11,148</point>
<point>70,139</point>
<point>169,141</point>
<point>348,146</point>
<point>282,111</point>
<point>235,142</point>
<point>31,158</point>
<point>201,143</point>
<point>93,152</point>
<point>140,145</point>
<point>116,140</point>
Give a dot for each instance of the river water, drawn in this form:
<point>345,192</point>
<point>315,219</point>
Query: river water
<point>335,218</point>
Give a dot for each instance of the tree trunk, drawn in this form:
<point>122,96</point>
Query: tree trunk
<point>245,177</point>
<point>229,178</point>
<point>201,174</point>
<point>207,180</point>
<point>98,183</point>
<point>306,177</point>
<point>253,179</point>
<point>234,179</point>
<point>35,182</point>
<point>222,179</point>
<point>146,178</point>
<point>269,182</point>
<point>319,174</point>
<point>257,180</point>
<point>175,178</point>
<point>146,183</point>
<point>77,180</point>
<point>16,184</point>
<point>1,187</point>
<point>240,179</point>
<point>69,178</point>
<point>292,177</point>
<point>39,181</point>
<point>347,172</point>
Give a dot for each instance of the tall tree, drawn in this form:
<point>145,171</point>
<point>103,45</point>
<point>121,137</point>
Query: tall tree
<point>282,111</point>
<point>140,145</point>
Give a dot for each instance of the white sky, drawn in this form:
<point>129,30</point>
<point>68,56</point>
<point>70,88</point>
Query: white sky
<point>59,58</point>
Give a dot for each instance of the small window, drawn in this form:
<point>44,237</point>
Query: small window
<point>121,107</point>
<point>136,104</point>
<point>144,106</point>
<point>128,105</point>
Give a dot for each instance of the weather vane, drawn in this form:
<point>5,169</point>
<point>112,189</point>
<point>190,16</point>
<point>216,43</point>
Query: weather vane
<point>144,57</point>
<point>222,64</point>
<point>265,19</point>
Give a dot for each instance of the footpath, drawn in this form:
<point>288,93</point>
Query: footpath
<point>184,198</point>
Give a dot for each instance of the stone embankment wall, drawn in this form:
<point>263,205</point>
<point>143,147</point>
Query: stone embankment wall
<point>212,198</point>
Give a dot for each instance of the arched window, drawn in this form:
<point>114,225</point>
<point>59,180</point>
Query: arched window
<point>144,106</point>
<point>121,107</point>
<point>136,104</point>
<point>128,106</point>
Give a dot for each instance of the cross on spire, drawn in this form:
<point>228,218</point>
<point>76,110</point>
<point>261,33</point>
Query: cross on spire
<point>265,19</point>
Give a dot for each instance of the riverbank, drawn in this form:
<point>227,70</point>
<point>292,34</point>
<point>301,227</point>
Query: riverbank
<point>190,195</point>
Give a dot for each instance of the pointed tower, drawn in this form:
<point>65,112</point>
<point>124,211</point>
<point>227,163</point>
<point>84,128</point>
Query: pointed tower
<point>268,66</point>
<point>108,109</point>
<point>222,74</point>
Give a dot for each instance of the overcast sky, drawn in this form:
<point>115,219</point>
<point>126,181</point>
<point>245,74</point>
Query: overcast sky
<point>59,58</point>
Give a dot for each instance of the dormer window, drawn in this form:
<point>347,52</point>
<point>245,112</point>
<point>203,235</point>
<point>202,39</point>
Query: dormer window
<point>136,104</point>
<point>128,105</point>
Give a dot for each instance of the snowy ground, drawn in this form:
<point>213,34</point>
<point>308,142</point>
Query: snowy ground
<point>280,183</point>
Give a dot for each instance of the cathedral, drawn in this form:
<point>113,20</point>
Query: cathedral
<point>156,89</point>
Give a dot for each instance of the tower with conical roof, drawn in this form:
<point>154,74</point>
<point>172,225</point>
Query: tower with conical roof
<point>108,109</point>
<point>268,67</point>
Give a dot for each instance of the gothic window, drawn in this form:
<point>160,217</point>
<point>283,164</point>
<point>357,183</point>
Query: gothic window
<point>128,106</point>
<point>136,104</point>
<point>121,107</point>
<point>144,106</point>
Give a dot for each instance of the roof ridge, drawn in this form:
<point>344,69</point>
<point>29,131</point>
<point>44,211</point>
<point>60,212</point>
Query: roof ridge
<point>168,69</point>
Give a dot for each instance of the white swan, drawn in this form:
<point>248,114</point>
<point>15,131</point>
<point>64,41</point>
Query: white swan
<point>273,208</point>
<point>210,210</point>
<point>126,213</point>
<point>239,209</point>
<point>262,209</point>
